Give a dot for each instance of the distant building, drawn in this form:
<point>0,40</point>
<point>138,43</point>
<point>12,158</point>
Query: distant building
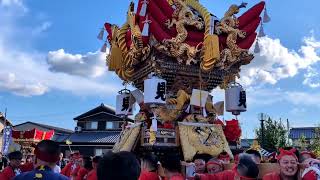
<point>246,143</point>
<point>297,133</point>
<point>96,132</point>
<point>60,134</point>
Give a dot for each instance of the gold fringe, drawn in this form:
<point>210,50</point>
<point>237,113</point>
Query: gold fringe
<point>211,42</point>
<point>152,137</point>
<point>115,58</point>
<point>211,50</point>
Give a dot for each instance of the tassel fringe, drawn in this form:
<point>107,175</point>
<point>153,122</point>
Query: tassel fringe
<point>211,48</point>
<point>101,34</point>
<point>115,58</point>
<point>261,32</point>
<point>257,48</point>
<point>146,25</point>
<point>143,10</point>
<point>104,48</point>
<point>204,112</point>
<point>266,17</point>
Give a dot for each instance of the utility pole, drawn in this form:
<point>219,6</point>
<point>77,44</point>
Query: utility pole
<point>262,117</point>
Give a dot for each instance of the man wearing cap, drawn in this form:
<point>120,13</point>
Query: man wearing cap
<point>46,156</point>
<point>12,169</point>
<point>288,163</point>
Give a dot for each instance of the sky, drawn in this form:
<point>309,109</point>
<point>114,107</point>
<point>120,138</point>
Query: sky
<point>52,70</point>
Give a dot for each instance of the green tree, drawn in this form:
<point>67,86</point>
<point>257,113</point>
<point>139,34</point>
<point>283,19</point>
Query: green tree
<point>303,143</point>
<point>274,135</point>
<point>315,144</point>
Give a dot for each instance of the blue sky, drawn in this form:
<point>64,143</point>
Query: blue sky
<point>52,70</point>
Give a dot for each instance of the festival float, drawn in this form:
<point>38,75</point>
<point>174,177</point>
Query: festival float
<point>28,139</point>
<point>175,52</point>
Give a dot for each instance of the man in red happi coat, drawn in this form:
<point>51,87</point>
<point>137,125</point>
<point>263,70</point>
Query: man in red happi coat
<point>312,168</point>
<point>85,168</point>
<point>288,163</point>
<point>245,169</point>
<point>13,169</point>
<point>92,175</point>
<point>172,167</point>
<point>69,168</point>
<point>149,167</point>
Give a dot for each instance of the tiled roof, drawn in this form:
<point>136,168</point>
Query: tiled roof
<point>307,132</point>
<point>60,137</point>
<point>94,137</point>
<point>106,110</point>
<point>246,143</point>
<point>102,108</point>
<point>43,127</point>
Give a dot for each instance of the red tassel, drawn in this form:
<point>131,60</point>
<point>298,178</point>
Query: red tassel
<point>104,48</point>
<point>101,33</point>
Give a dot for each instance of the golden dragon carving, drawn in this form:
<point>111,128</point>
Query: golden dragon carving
<point>137,52</point>
<point>176,46</point>
<point>229,25</point>
<point>210,54</point>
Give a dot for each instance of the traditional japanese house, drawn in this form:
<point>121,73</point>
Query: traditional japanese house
<point>306,134</point>
<point>96,131</point>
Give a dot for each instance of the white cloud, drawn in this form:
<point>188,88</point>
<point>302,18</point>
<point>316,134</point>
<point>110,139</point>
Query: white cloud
<point>276,62</point>
<point>10,82</point>
<point>26,72</point>
<point>258,97</point>
<point>303,98</point>
<point>11,3</point>
<point>312,78</point>
<point>298,111</point>
<point>88,65</point>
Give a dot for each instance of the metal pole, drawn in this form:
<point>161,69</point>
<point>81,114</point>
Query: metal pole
<point>262,129</point>
<point>5,118</point>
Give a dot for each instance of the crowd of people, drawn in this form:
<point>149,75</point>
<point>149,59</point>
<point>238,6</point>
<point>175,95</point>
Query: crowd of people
<point>48,163</point>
